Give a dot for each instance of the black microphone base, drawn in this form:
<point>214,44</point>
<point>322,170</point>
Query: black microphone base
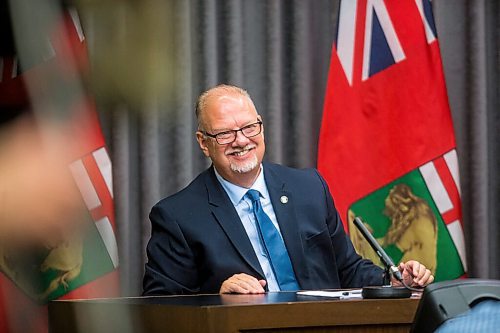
<point>385,292</point>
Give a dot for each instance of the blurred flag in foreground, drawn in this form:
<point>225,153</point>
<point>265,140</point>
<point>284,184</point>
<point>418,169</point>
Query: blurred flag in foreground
<point>81,260</point>
<point>387,145</point>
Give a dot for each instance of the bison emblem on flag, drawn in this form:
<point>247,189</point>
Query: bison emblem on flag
<point>416,217</point>
<point>48,271</point>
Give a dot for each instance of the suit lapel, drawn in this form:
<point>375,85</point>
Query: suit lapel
<point>284,205</point>
<point>227,217</point>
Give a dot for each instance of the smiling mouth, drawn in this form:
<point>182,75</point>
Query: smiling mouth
<point>241,152</point>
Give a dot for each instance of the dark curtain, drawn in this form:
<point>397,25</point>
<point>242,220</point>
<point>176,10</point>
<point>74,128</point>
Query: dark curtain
<point>164,53</point>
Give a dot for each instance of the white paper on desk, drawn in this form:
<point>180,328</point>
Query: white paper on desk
<point>341,294</point>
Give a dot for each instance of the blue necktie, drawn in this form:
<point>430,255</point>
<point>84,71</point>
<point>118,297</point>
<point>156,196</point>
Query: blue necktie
<point>273,245</point>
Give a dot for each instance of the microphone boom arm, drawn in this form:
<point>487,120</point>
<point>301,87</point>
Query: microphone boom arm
<point>386,260</point>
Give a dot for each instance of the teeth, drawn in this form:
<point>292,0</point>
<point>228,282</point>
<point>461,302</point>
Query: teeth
<point>241,152</point>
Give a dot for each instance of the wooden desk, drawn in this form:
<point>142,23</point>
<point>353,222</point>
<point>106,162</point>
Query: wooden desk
<point>271,312</point>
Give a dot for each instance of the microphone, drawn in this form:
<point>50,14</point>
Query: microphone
<point>386,260</point>
<point>386,291</point>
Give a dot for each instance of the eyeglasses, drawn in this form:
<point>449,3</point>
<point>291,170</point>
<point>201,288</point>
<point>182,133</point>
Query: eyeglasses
<point>226,137</point>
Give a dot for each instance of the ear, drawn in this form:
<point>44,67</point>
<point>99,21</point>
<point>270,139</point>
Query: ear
<point>259,117</point>
<point>202,142</point>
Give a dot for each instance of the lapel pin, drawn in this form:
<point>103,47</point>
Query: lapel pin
<point>284,199</point>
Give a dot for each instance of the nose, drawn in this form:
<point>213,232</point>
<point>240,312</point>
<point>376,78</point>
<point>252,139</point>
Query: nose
<point>241,139</point>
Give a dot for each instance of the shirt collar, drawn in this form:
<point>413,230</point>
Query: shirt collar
<point>236,193</point>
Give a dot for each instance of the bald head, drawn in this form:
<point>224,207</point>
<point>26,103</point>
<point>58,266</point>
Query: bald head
<point>216,92</point>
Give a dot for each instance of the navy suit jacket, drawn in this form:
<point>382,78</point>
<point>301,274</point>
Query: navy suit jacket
<point>198,240</point>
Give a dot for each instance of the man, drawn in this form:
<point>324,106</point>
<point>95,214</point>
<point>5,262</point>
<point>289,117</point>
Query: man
<point>210,237</point>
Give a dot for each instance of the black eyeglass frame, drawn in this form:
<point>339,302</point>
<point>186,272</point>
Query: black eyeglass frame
<point>235,133</point>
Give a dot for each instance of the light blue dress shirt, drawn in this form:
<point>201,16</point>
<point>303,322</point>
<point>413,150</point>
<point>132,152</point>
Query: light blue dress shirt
<point>243,206</point>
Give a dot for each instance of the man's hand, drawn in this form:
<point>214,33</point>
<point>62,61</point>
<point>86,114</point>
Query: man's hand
<point>243,284</point>
<point>414,274</point>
